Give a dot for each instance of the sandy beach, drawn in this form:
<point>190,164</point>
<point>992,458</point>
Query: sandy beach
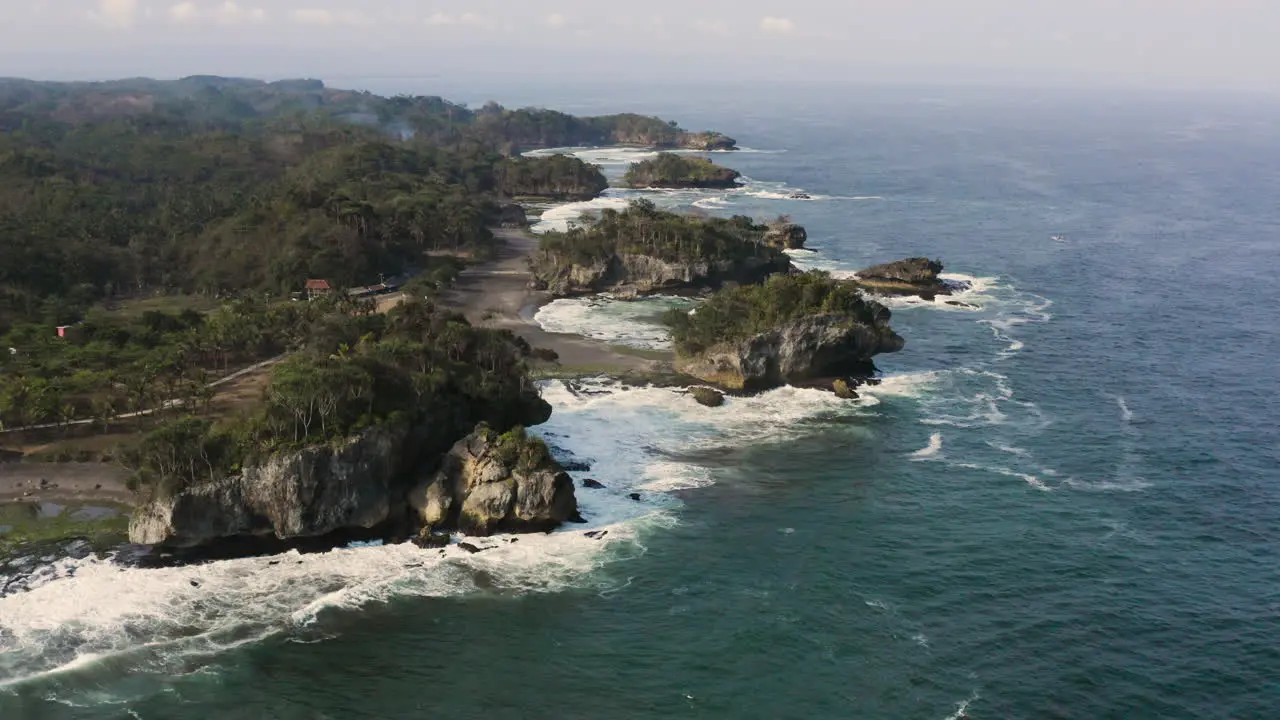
<point>497,294</point>
<point>64,483</point>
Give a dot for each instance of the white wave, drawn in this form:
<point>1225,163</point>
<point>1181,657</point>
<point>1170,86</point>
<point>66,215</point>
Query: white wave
<point>1030,479</point>
<point>560,216</point>
<point>962,708</point>
<point>931,450</point>
<point>1020,452</point>
<point>1125,413</point>
<point>634,323</point>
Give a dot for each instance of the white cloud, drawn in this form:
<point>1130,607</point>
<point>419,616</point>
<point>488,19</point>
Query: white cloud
<point>231,13</point>
<point>779,25</point>
<point>115,13</point>
<point>186,12</point>
<point>556,20</point>
<point>470,19</point>
<point>321,16</point>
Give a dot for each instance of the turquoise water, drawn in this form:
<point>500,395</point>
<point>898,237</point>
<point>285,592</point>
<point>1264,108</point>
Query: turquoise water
<point>1062,503</point>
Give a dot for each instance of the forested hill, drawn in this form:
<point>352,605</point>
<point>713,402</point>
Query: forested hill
<point>216,101</point>
<point>218,186</point>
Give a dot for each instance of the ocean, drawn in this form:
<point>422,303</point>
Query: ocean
<point>1063,501</point>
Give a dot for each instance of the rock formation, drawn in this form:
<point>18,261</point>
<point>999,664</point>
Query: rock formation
<point>513,215</point>
<point>786,235</point>
<point>807,348</point>
<point>305,493</point>
<point>633,274</point>
<point>706,141</point>
<point>912,276</point>
<point>707,396</point>
<point>496,483</point>
<point>668,170</point>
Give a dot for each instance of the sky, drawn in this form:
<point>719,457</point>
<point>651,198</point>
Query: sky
<point>1150,43</point>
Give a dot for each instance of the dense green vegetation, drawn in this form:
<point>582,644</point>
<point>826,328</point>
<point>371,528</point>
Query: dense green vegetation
<point>669,170</point>
<point>218,102</point>
<point>113,363</point>
<point>643,229</point>
<point>562,177</point>
<point>744,311</point>
<point>415,365</point>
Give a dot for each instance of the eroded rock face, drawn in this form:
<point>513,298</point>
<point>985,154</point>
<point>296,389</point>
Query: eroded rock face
<point>513,215</point>
<point>496,483</point>
<point>788,236</point>
<point>306,493</point>
<point>814,347</point>
<point>912,276</point>
<point>631,274</point>
<point>706,141</point>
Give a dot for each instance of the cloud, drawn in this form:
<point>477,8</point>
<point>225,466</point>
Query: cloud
<point>556,20</point>
<point>321,16</point>
<point>186,12</point>
<point>230,13</point>
<point>115,13</point>
<point>468,19</point>
<point>779,25</point>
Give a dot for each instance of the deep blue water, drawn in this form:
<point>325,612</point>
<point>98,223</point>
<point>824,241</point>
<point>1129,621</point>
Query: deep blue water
<point>1063,505</point>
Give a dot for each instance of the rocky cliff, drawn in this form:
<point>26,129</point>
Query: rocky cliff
<point>786,235</point>
<point>706,141</point>
<point>495,483</point>
<point>305,493</point>
<point>486,483</point>
<point>912,276</point>
<point>804,349</point>
<point>669,170</point>
<point>636,274</point>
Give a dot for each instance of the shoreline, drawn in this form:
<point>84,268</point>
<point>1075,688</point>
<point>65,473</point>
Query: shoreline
<point>69,483</point>
<point>496,294</point>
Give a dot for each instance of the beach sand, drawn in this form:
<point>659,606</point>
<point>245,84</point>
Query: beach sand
<point>70,483</point>
<point>497,294</point>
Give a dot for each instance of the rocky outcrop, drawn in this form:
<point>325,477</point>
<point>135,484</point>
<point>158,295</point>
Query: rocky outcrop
<point>912,276</point>
<point>708,397</point>
<point>630,274</point>
<point>306,493</point>
<point>669,170</point>
<point>706,141</point>
<point>496,483</point>
<point>786,235</point>
<point>800,350</point>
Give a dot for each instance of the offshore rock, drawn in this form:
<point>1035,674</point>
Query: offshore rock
<point>707,396</point>
<point>807,348</point>
<point>912,276</point>
<point>305,493</point>
<point>496,483</point>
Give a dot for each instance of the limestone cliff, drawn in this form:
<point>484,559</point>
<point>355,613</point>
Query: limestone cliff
<point>803,349</point>
<point>305,493</point>
<point>786,235</point>
<point>636,274</point>
<point>490,483</point>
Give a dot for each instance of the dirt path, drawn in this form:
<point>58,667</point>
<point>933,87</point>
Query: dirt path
<point>497,294</point>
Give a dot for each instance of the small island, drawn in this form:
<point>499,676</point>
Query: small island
<point>800,328</point>
<point>669,170</point>
<point>643,250</point>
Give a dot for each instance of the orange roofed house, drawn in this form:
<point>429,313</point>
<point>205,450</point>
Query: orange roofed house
<point>317,288</point>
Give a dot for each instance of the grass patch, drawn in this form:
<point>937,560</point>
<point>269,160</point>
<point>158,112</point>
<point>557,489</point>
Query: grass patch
<point>21,524</point>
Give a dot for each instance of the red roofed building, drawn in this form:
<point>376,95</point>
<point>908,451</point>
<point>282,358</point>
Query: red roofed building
<point>316,288</point>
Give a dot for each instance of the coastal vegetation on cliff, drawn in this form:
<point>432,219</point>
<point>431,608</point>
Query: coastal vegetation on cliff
<point>413,365</point>
<point>669,170</point>
<point>644,249</point>
<point>560,177</point>
<point>744,311</point>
